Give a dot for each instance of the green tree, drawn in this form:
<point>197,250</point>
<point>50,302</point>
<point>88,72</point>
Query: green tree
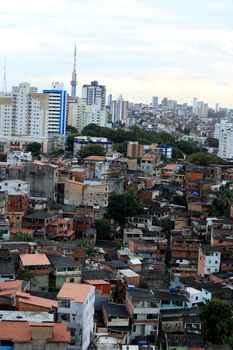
<point>179,200</point>
<point>177,153</point>
<point>186,130</point>
<point>24,275</point>
<point>212,142</point>
<point>205,159</point>
<point>103,228</point>
<point>3,158</point>
<point>167,224</point>
<point>217,322</point>
<point>124,205</point>
<point>133,134</point>
<point>188,147</point>
<point>90,248</point>
<point>121,147</point>
<point>34,148</point>
<point>23,237</point>
<point>71,130</point>
<point>57,152</point>
<point>222,204</point>
<point>92,150</point>
<point>70,143</point>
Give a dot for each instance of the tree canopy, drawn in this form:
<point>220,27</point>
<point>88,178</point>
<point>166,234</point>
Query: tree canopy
<point>217,322</point>
<point>71,130</point>
<point>124,205</point>
<point>222,204</point>
<point>212,142</point>
<point>179,200</point>
<point>23,237</point>
<point>34,148</point>
<point>133,134</point>
<point>121,137</point>
<point>104,228</point>
<point>205,159</point>
<point>92,150</point>
<point>188,147</point>
<point>70,143</point>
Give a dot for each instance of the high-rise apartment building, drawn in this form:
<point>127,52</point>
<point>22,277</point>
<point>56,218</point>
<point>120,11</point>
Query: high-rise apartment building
<point>200,108</point>
<point>57,109</point>
<point>94,94</point>
<point>195,105</point>
<point>72,111</point>
<point>119,110</point>
<point>23,112</point>
<point>6,108</point>
<point>92,105</point>
<point>155,103</point>
<point>224,133</point>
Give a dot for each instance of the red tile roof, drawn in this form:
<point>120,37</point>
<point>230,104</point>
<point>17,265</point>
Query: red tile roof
<point>75,291</point>
<point>96,282</point>
<point>22,230</point>
<point>95,158</point>
<point>34,259</point>
<point>148,158</point>
<point>170,167</point>
<point>20,331</point>
<point>27,298</point>
<point>11,285</point>
<point>67,234</point>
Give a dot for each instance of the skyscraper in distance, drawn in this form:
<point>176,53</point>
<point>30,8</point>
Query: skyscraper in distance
<point>155,103</point>
<point>93,105</point>
<point>119,110</point>
<point>57,109</point>
<point>23,112</point>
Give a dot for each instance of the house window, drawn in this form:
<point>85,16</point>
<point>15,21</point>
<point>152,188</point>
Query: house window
<point>64,303</point>
<point>65,317</point>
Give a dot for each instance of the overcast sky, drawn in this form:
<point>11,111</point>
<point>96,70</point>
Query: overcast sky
<point>138,48</point>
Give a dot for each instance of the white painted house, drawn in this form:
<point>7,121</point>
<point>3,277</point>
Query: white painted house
<point>76,308</point>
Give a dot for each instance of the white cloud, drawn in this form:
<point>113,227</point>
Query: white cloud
<point>136,47</point>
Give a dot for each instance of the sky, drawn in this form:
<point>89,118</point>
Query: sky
<point>180,49</point>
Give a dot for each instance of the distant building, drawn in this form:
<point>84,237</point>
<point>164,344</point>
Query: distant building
<point>92,194</point>
<point>92,105</point>
<point>119,110</point>
<point>43,179</point>
<point>135,150</point>
<point>144,311</point>
<point>23,112</point>
<point>39,266</point>
<point>73,111</point>
<point>81,141</point>
<point>56,109</point>
<point>155,103</point>
<point>195,105</point>
<point>209,259</point>
<point>224,133</point>
<point>65,270</point>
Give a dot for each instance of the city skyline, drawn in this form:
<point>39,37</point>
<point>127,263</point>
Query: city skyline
<point>137,49</point>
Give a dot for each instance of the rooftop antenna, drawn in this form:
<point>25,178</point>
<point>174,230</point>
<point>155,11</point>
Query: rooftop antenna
<point>73,82</point>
